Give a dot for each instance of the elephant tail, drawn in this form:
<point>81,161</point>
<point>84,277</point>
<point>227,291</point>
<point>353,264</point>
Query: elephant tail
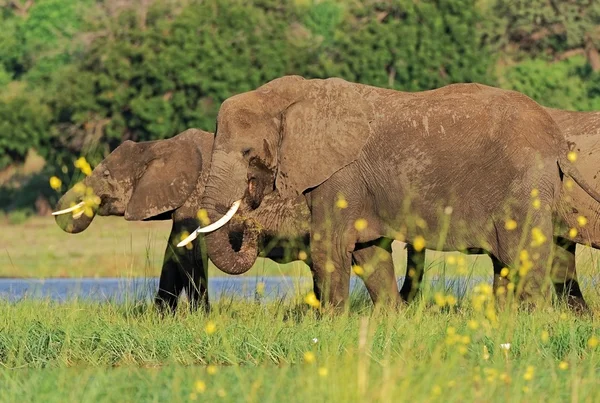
<point>567,168</point>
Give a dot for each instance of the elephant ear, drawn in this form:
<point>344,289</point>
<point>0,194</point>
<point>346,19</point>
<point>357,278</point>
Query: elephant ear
<point>322,133</point>
<point>167,180</point>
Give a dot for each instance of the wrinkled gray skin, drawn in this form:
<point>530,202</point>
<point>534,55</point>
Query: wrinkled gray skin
<point>376,147</point>
<point>582,131</point>
<point>163,180</point>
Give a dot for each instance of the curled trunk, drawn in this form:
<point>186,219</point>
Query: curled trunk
<point>234,247</point>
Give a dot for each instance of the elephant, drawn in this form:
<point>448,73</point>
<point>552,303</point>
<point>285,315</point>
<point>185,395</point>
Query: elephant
<point>582,132</point>
<point>163,180</point>
<point>357,153</point>
<point>155,180</point>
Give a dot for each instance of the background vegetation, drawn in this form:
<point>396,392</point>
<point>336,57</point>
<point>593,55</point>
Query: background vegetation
<point>78,78</point>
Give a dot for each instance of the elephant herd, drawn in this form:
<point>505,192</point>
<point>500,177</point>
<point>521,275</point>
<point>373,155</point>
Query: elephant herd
<point>333,172</point>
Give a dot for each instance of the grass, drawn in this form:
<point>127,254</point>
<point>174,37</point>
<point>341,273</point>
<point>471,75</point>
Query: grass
<point>282,351</point>
<point>434,350</point>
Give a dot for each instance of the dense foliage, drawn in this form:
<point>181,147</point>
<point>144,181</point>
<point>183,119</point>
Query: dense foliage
<point>81,77</point>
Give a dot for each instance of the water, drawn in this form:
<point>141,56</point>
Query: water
<point>136,289</point>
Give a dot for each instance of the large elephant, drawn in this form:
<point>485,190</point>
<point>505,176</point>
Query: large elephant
<point>582,132</point>
<point>475,158</point>
<point>163,180</point>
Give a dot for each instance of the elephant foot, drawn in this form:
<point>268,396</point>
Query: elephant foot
<point>578,305</point>
<point>165,305</point>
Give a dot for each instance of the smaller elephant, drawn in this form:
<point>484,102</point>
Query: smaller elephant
<point>164,180</point>
<point>155,180</point>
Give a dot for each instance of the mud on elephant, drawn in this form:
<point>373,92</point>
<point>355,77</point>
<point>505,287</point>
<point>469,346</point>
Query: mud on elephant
<point>474,158</point>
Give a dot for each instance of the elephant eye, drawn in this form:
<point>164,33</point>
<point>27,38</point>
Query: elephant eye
<point>246,151</point>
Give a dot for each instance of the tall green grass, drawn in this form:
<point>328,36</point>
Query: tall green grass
<point>285,351</point>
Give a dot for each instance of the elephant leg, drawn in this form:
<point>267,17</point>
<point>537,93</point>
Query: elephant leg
<point>415,269</point>
<point>500,282</point>
<point>564,276</point>
<point>376,261</point>
<point>532,262</point>
<point>196,283</point>
<point>182,270</point>
<point>170,283</point>
<point>331,264</point>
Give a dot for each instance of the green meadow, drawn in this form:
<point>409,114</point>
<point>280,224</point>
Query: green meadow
<point>284,351</point>
<point>459,348</point>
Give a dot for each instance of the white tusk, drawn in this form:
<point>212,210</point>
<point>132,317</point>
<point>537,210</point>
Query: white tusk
<point>68,210</point>
<point>214,226</point>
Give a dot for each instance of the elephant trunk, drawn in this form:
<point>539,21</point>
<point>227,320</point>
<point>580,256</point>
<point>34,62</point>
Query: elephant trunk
<point>69,222</point>
<point>233,248</point>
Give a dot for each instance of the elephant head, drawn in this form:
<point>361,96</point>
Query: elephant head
<point>140,181</point>
<point>289,136</point>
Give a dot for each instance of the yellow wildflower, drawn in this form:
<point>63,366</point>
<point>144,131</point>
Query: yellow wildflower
<point>211,369</point>
<point>361,224</point>
<point>563,365</point>
<point>569,184</point>
<point>200,386</point>
<point>309,357</point>
<point>450,300</point>
<point>593,342</point>
<point>341,203</point>
<point>221,392</point>
<point>529,372</point>
<point>537,237</point>
<point>504,377</point>
<point>451,260</point>
<point>486,354</point>
<point>55,183</point>
<point>572,156</point>
<point>311,300</point>
<point>260,288</point>
<point>329,266</point>
<point>203,217</point>
<point>472,324</point>
<point>323,372</point>
<point>510,286</point>
<point>535,193</point>
<point>536,203</point>
<point>582,221</point>
<point>572,232</point>
<point>504,272</point>
<point>545,336</point>
<point>359,271</point>
<point>439,299</point>
<point>184,235</point>
<point>210,328</point>
<point>79,188</point>
<point>510,224</point>
<point>436,390</point>
<point>84,166</point>
<point>302,255</point>
<point>419,243</point>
